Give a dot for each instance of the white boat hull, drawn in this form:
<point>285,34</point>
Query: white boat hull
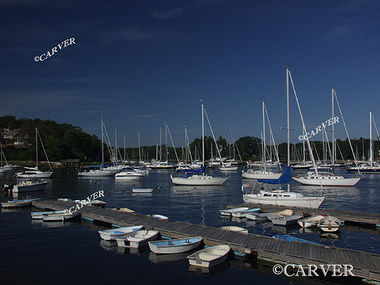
<point>137,239</point>
<point>154,247</point>
<point>59,217</point>
<point>261,175</point>
<point>34,175</point>
<point>198,180</point>
<point>29,188</point>
<point>209,257</point>
<point>328,182</point>
<point>306,202</point>
<point>113,234</point>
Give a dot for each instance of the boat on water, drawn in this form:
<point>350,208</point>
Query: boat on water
<point>228,167</point>
<point>160,217</point>
<point>138,238</point>
<point>125,210</point>
<point>244,213</point>
<point>309,222</point>
<point>228,212</point>
<point>41,215</point>
<point>329,224</point>
<point>210,256</point>
<point>175,245</point>
<point>199,179</point>
<point>302,165</point>
<point>95,173</point>
<point>326,179</point>
<point>113,234</point>
<point>6,167</point>
<point>142,190</point>
<point>129,175</point>
<point>34,172</point>
<point>279,220</point>
<point>54,217</point>
<point>29,185</point>
<point>235,229</point>
<point>257,216</point>
<point>18,203</point>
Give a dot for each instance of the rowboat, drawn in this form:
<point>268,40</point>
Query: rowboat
<point>137,239</point>
<point>41,215</point>
<point>60,217</point>
<point>228,212</point>
<point>175,245</point>
<point>210,256</point>
<point>18,203</point>
<point>279,220</point>
<point>142,190</point>
<point>235,229</point>
<point>329,224</point>
<point>113,234</point>
<point>312,221</point>
<point>243,214</point>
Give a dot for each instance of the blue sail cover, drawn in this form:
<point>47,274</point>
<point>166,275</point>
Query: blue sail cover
<point>284,178</point>
<point>189,171</point>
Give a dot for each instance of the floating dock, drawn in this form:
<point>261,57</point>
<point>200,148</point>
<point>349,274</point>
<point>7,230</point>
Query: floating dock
<point>366,265</point>
<point>346,216</point>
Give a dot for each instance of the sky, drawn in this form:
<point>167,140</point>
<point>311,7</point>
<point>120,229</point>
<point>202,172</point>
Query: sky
<point>141,63</point>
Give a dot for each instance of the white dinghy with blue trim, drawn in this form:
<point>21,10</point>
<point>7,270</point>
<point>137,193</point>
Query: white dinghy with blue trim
<point>113,234</point>
<point>175,245</point>
<point>209,256</point>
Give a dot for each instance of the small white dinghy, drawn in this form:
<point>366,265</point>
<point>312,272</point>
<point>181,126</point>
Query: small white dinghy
<point>244,213</point>
<point>329,224</point>
<point>60,217</point>
<point>264,216</point>
<point>210,256</point>
<point>279,220</point>
<point>309,222</point>
<point>142,190</point>
<point>235,229</point>
<point>175,245</point>
<point>113,234</point>
<point>160,217</point>
<point>228,212</point>
<point>137,239</point>
<point>41,215</point>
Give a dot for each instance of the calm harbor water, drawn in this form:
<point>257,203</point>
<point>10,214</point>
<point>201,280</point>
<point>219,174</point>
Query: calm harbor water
<point>71,252</point>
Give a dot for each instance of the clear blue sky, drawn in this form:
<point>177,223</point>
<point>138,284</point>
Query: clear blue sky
<point>140,63</point>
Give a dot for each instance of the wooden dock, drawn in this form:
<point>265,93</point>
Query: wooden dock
<point>346,216</point>
<point>366,265</point>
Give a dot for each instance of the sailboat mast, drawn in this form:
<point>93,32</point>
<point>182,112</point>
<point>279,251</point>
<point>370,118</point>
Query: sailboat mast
<point>36,148</point>
<point>124,148</point>
<point>288,117</point>
<point>138,138</point>
<point>203,137</point>
<point>333,158</point>
<point>160,144</point>
<point>370,140</point>
<point>101,127</point>
<point>264,146</point>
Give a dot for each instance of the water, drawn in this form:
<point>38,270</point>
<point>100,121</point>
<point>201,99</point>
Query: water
<point>71,252</point>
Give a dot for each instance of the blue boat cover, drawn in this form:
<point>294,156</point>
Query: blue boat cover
<point>201,170</point>
<point>284,178</point>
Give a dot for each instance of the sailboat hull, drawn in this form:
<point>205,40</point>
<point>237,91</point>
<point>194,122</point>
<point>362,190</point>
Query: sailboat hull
<point>348,182</point>
<point>198,180</point>
<point>261,175</point>
<point>306,202</point>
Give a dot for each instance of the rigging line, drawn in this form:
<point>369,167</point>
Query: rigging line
<point>170,135</point>
<point>340,152</point>
<point>377,131</point>
<point>108,143</point>
<point>212,132</point>
<point>236,146</point>
<point>271,133</point>
<point>327,141</point>
<point>348,135</point>
<point>43,147</point>
<point>304,129</point>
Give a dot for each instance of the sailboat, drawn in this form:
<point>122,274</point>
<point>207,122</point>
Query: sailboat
<point>328,178</point>
<point>370,166</point>
<point>6,167</point>
<point>281,197</point>
<point>101,172</point>
<point>33,172</point>
<point>199,179</point>
<point>263,173</point>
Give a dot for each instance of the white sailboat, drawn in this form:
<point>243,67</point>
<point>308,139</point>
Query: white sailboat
<point>6,167</point>
<point>281,197</point>
<point>263,173</point>
<point>328,178</point>
<point>102,172</point>
<point>199,179</point>
<point>33,172</point>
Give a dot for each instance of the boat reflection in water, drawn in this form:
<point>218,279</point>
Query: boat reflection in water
<point>131,250</point>
<point>108,245</point>
<point>164,258</point>
<point>209,270</point>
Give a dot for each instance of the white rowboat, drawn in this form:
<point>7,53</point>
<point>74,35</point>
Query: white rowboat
<point>210,256</point>
<point>113,234</point>
<point>175,245</point>
<point>137,239</point>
